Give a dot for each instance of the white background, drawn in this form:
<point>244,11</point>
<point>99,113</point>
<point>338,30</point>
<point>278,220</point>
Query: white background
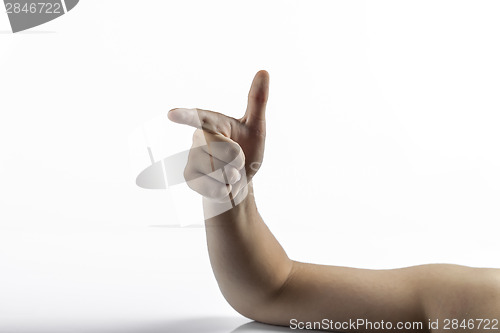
<point>382,148</point>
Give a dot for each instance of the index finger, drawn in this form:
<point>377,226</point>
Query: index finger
<point>203,119</point>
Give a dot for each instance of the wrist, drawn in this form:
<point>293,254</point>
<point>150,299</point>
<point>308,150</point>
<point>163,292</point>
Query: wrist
<point>232,207</point>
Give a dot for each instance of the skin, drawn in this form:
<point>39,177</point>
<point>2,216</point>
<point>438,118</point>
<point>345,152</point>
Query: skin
<point>255,274</point>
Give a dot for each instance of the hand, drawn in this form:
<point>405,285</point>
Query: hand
<point>226,152</point>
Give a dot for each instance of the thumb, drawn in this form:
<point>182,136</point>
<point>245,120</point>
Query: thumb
<point>257,100</point>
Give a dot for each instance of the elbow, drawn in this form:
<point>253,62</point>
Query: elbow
<point>263,301</point>
<point>258,311</point>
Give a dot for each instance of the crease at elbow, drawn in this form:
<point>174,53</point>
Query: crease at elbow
<point>260,308</point>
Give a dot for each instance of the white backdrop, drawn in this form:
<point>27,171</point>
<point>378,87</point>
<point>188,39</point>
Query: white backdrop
<point>382,148</point>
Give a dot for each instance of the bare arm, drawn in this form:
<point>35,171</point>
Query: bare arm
<point>248,262</point>
<point>259,280</point>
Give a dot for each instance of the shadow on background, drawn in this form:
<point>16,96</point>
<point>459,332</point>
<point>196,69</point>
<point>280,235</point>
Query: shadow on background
<point>205,325</point>
<point>188,325</point>
<point>258,327</point>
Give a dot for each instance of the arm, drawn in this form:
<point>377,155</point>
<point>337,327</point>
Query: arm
<point>259,280</point>
<point>262,283</point>
<point>248,262</point>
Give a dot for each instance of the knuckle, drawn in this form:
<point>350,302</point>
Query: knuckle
<point>240,161</point>
<point>232,151</point>
<point>233,175</point>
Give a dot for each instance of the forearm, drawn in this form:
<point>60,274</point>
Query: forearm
<point>248,262</point>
